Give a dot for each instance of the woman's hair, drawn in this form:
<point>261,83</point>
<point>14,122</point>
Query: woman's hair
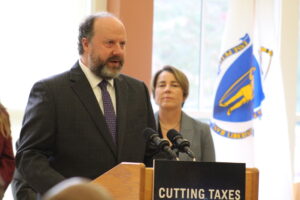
<point>4,122</point>
<point>179,76</point>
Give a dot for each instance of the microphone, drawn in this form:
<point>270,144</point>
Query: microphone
<point>181,144</point>
<point>158,142</point>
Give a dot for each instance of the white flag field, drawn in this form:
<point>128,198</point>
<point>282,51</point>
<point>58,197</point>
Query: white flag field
<point>248,121</point>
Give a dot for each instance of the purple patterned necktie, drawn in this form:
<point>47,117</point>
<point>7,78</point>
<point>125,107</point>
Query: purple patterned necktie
<point>108,108</point>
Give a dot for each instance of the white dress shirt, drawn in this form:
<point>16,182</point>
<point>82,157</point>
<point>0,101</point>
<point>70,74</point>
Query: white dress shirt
<point>94,82</point>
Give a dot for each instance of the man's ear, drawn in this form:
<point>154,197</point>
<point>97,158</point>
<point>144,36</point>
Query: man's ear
<point>85,44</point>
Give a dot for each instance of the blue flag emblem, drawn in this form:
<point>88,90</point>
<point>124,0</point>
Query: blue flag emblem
<point>239,93</point>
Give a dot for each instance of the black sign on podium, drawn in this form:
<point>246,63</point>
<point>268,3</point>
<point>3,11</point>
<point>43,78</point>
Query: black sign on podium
<point>187,180</point>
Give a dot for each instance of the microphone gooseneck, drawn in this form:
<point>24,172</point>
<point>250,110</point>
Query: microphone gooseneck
<point>181,144</point>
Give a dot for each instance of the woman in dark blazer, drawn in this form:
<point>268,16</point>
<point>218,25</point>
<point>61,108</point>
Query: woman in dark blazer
<point>170,89</point>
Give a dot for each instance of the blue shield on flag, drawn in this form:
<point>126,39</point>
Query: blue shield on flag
<point>239,93</point>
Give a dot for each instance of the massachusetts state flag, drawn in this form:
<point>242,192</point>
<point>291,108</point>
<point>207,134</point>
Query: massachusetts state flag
<point>238,92</point>
<point>240,97</point>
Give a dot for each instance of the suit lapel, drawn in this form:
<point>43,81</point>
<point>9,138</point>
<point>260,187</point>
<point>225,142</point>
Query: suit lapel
<point>84,92</point>
<point>187,133</point>
<point>186,127</point>
<point>121,99</point>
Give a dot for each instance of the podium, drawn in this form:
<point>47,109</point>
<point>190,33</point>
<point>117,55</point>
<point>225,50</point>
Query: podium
<point>133,181</point>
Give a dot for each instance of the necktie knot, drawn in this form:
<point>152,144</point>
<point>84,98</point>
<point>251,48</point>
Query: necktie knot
<point>103,84</point>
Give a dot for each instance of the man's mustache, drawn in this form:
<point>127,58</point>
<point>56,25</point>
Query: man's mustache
<point>116,58</point>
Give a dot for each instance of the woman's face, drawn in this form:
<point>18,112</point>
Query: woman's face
<point>168,92</point>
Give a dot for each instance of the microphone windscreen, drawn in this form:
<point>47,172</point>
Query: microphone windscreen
<point>173,134</point>
<point>148,132</point>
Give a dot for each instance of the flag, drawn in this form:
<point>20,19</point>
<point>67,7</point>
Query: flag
<point>272,139</point>
<point>239,92</point>
<point>250,87</point>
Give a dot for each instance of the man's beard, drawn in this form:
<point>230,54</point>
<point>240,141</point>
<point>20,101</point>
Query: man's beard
<point>101,69</point>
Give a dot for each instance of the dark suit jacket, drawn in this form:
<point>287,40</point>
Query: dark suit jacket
<point>64,133</point>
<point>199,135</point>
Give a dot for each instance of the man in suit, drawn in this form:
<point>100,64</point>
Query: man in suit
<point>65,132</point>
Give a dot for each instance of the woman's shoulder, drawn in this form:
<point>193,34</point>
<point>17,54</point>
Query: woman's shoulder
<point>196,123</point>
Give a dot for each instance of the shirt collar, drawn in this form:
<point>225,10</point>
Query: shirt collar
<point>93,79</point>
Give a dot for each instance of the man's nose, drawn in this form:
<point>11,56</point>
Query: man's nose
<point>118,49</point>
